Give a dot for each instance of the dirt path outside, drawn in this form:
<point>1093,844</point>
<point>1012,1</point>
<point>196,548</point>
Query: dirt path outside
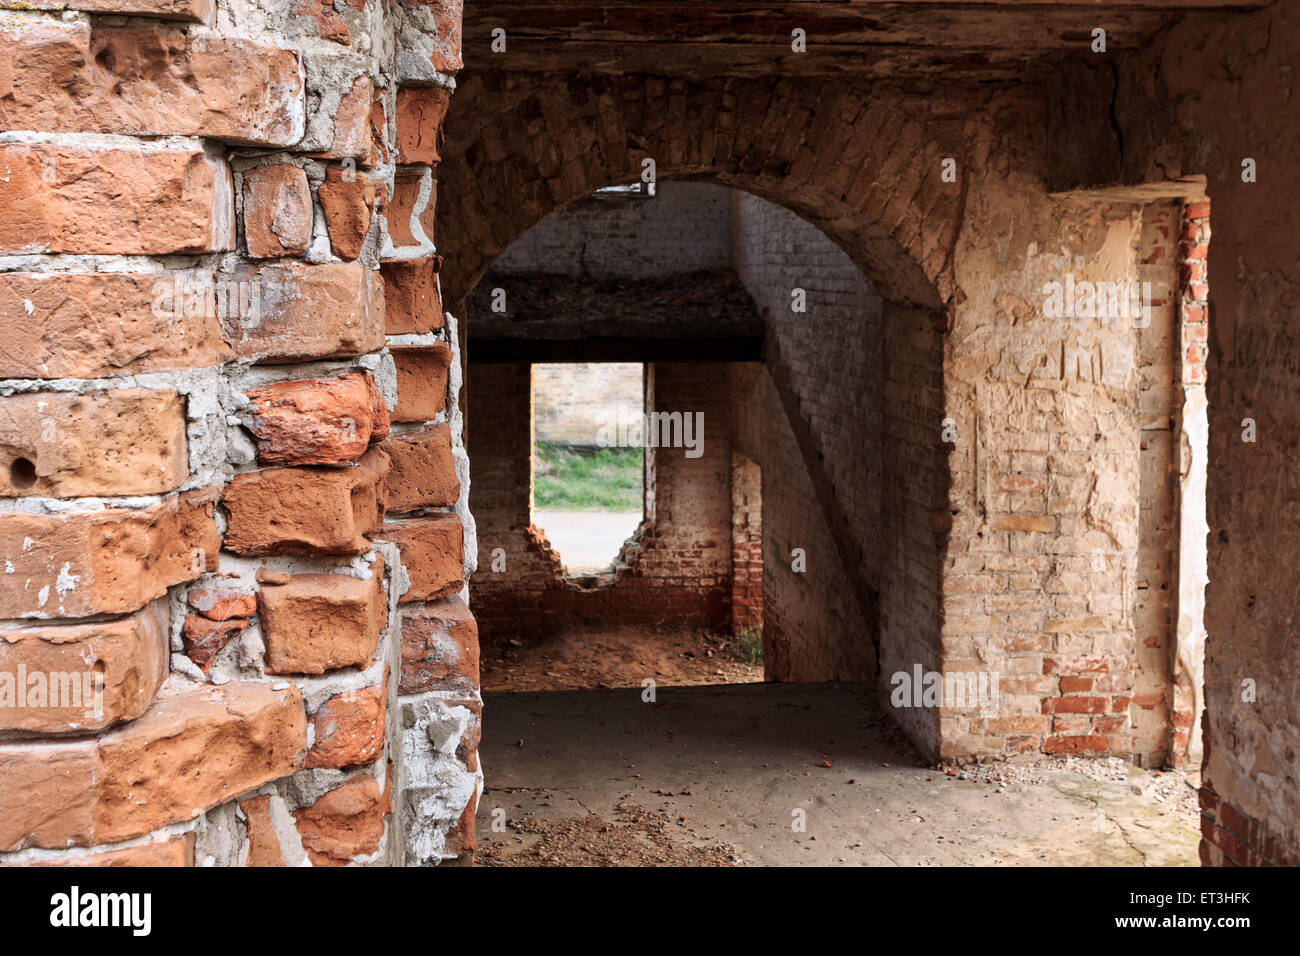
<point>579,658</point>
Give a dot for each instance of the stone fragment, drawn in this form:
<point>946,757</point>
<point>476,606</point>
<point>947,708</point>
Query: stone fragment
<point>204,639</point>
<point>220,604</point>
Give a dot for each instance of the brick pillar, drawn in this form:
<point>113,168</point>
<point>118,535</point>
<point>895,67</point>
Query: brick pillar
<point>231,449</point>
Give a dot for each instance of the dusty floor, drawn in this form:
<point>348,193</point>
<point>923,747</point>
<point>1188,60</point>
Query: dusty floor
<point>717,775</point>
<point>583,657</point>
<point>587,541</point>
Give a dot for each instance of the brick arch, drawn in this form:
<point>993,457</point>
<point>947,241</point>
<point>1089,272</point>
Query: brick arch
<point>860,164</point>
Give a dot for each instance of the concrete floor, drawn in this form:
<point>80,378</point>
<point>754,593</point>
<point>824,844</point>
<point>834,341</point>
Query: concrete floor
<point>714,775</point>
<point>588,541</point>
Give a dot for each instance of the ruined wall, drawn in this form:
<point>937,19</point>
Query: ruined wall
<point>675,572</point>
<point>1207,103</point>
<point>1042,396</point>
<point>1011,459</point>
<point>1159,374</point>
<point>825,318</point>
<point>1192,293</point>
<point>807,612</point>
<point>234,488</point>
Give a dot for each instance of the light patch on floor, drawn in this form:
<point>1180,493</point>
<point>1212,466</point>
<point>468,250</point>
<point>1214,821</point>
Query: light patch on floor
<point>723,775</point>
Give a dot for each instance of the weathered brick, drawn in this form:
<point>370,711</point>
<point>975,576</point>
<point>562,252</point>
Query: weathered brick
<point>462,839</point>
<point>1034,523</point>
<point>321,622</point>
<point>346,823</point>
<point>204,638</point>
<point>1076,745</point>
<point>194,748</point>
<point>433,553</point>
<point>277,211</point>
<point>317,421</point>
<point>195,11</point>
<point>221,604</point>
<point>407,207</point>
<point>89,325</point>
<point>113,200</point>
<point>349,729</point>
<point>1075,705</point>
<point>150,80</point>
<point>311,312</point>
<point>349,203</point>
<point>440,649</point>
<point>88,675</point>
<point>306,510</point>
<point>171,852</point>
<point>321,16</point>
<point>65,445</point>
<point>420,112</point>
<point>104,562</point>
<point>421,381</point>
<point>423,473</point>
<point>263,842</point>
<point>354,135</point>
<point>411,300</point>
<point>445,57</point>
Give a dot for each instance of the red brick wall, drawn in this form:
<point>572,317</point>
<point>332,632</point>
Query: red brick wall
<point>231,475</point>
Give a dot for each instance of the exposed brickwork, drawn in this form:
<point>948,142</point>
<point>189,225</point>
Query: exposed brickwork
<point>192,449</point>
<point>202,208</point>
